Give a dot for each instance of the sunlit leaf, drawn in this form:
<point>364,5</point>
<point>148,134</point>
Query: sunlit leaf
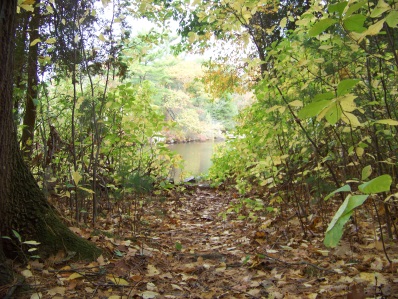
<point>76,177</point>
<point>377,185</point>
<point>50,40</point>
<point>366,172</point>
<point>117,280</point>
<point>74,276</point>
<point>335,230</point>
<point>392,19</point>
<point>355,23</point>
<point>37,40</point>
<point>380,8</point>
<point>390,122</point>
<point>312,109</point>
<point>346,86</point>
<point>320,27</point>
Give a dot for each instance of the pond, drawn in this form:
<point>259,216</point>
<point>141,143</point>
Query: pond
<point>197,157</point>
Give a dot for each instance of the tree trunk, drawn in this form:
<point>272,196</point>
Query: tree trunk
<point>23,207</point>
<point>29,119</point>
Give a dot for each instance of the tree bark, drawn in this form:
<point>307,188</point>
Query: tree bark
<point>23,207</point>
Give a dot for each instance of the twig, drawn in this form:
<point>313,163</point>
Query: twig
<point>299,263</point>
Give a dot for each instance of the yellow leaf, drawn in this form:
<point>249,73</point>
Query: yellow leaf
<point>101,37</point>
<point>117,280</point>
<point>27,273</point>
<point>390,122</point>
<point>27,7</point>
<point>152,271</point>
<point>87,190</point>
<point>296,103</point>
<point>74,276</point>
<point>57,290</point>
<point>37,40</point>
<point>50,41</point>
<point>76,177</point>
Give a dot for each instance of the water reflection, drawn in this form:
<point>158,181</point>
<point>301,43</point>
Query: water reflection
<point>196,155</point>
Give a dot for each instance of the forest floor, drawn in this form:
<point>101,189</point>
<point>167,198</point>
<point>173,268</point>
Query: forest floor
<point>184,248</point>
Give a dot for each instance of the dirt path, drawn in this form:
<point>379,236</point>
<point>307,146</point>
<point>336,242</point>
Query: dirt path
<point>187,250</point>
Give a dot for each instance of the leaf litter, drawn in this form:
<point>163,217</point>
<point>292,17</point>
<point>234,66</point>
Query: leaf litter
<point>187,247</point>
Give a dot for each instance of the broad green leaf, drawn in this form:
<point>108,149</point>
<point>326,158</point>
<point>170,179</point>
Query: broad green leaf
<point>76,177</point>
<point>338,7</point>
<point>377,185</point>
<point>380,8</point>
<point>313,109</point>
<point>37,40</point>
<point>332,113</point>
<point>345,188</point>
<point>355,201</point>
<point>366,172</point>
<point>321,26</point>
<point>390,122</point>
<point>335,228</point>
<point>355,23</point>
<point>392,19</point>
<point>346,85</point>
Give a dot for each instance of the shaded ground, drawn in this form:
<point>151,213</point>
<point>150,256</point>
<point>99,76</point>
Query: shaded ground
<point>179,246</point>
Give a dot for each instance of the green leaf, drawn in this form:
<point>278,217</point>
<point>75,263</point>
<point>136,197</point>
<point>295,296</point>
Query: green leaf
<point>375,28</point>
<point>353,8</point>
<point>313,109</point>
<point>17,235</point>
<point>346,86</point>
<point>343,214</point>
<point>178,246</point>
<point>32,242</point>
<point>332,113</point>
<point>377,185</point>
<point>37,40</point>
<point>345,188</point>
<point>366,172</point>
<point>355,23</point>
<point>321,26</point>
<point>380,8</point>
<point>392,19</point>
<point>390,122</point>
<point>338,7</point>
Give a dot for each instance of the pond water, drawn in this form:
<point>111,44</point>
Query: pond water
<point>197,158</point>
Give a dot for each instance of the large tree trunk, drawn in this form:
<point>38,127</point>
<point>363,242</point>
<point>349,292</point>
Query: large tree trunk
<point>23,207</point>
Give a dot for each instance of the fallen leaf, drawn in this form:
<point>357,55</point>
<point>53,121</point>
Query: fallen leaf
<point>26,273</point>
<point>36,296</point>
<point>117,280</point>
<point>56,290</point>
<point>149,294</point>
<point>74,276</point>
<point>152,271</point>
